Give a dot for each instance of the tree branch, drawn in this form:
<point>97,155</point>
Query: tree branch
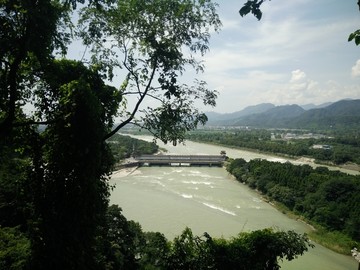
<point>140,126</point>
<point>136,108</point>
<point>7,123</point>
<point>33,122</point>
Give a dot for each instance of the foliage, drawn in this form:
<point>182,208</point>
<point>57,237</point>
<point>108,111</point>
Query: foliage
<point>125,146</point>
<point>252,6</point>
<point>333,240</point>
<point>120,240</point>
<point>261,249</point>
<point>27,40</point>
<point>191,252</point>
<point>14,249</point>
<point>54,182</point>
<point>154,42</point>
<point>327,198</point>
<point>356,34</point>
<point>15,205</point>
<point>70,171</point>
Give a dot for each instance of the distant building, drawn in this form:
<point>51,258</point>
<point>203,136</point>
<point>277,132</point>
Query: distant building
<point>289,136</point>
<point>322,146</point>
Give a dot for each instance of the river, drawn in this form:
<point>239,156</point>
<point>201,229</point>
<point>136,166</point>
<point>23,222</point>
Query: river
<point>208,199</point>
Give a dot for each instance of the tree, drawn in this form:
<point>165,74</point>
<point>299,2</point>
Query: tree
<point>257,250</point>
<point>191,252</point>
<point>63,185</point>
<point>154,42</point>
<point>118,241</point>
<point>27,40</point>
<point>14,249</point>
<point>70,174</point>
<point>155,251</point>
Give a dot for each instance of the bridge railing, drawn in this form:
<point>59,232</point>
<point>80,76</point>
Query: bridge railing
<point>182,159</point>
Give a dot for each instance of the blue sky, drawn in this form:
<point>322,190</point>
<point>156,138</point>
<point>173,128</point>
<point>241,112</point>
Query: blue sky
<point>297,54</point>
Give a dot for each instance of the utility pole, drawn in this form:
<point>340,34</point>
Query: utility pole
<point>356,254</point>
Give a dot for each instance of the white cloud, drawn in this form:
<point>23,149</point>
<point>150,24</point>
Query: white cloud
<point>297,76</point>
<point>257,45</point>
<point>296,87</point>
<point>355,70</point>
<point>302,90</point>
<point>293,55</point>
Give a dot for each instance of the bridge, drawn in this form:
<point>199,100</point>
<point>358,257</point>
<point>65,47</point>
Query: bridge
<point>181,160</point>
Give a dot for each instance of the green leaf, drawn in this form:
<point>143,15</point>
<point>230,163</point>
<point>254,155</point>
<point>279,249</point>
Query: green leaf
<point>351,37</point>
<point>355,36</point>
<point>244,11</point>
<point>357,40</point>
<point>258,14</point>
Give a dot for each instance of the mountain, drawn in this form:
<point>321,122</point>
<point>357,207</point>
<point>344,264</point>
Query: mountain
<point>273,117</point>
<point>216,118</point>
<point>344,113</point>
<point>313,106</point>
<point>260,108</point>
<point>341,114</point>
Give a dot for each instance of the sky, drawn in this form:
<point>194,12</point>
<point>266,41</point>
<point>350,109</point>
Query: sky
<point>297,53</point>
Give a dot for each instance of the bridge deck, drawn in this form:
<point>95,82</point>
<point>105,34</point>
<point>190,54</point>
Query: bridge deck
<point>169,160</point>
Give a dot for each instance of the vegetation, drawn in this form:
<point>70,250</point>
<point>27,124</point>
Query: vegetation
<point>328,199</point>
<point>125,147</point>
<point>341,148</point>
<point>14,249</point>
<point>54,189</point>
<point>153,44</point>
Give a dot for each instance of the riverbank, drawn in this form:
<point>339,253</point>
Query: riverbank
<point>350,168</point>
<point>334,241</point>
<point>124,172</point>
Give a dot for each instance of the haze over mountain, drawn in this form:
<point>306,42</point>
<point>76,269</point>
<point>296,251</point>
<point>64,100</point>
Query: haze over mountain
<point>214,116</point>
<point>313,106</point>
<point>340,114</point>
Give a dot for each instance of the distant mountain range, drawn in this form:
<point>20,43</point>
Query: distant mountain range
<point>340,114</point>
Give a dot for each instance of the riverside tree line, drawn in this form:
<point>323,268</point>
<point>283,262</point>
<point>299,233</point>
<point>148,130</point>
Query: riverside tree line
<point>344,147</point>
<point>330,200</point>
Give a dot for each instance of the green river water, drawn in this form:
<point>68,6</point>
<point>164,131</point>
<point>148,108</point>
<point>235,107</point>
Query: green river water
<point>208,199</point>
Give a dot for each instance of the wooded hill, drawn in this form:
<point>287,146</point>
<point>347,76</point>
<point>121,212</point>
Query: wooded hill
<point>344,114</point>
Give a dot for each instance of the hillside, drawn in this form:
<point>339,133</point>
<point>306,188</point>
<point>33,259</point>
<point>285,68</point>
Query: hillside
<point>339,115</point>
<point>218,118</point>
<point>277,117</point>
<point>313,106</point>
